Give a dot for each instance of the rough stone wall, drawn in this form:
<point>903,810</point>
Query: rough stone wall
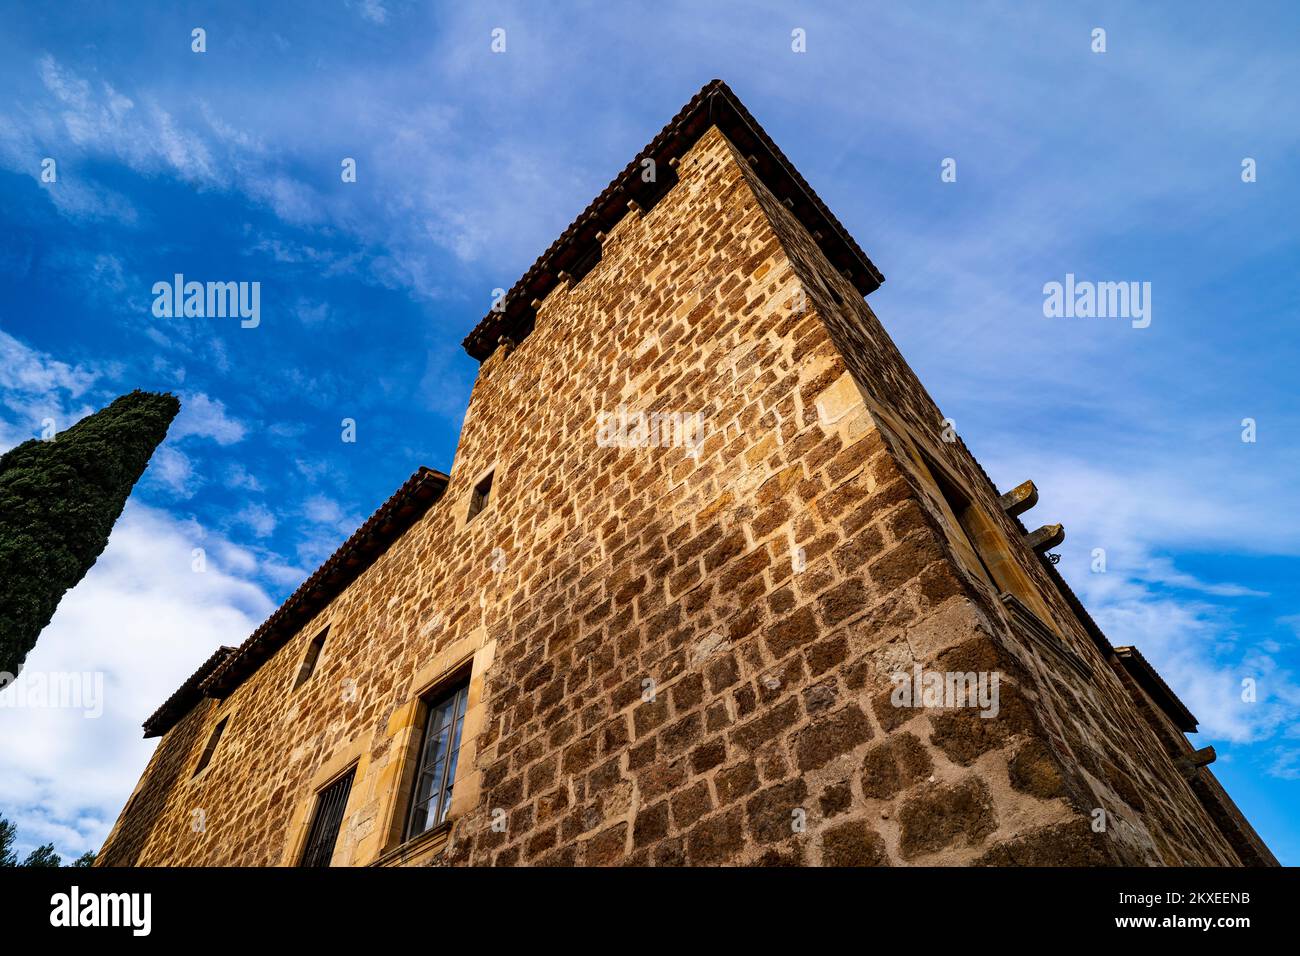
<point>1093,732</point>
<point>691,653</point>
<point>1250,849</point>
<point>146,808</point>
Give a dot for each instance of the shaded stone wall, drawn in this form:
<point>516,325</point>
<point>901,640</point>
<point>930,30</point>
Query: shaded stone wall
<point>1087,728</point>
<point>1250,849</point>
<point>685,658</point>
<point>146,808</point>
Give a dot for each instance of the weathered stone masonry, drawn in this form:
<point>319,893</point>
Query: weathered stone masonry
<point>687,659</point>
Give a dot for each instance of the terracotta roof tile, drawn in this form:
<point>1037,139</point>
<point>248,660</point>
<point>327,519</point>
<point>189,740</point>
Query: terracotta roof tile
<point>225,671</point>
<point>1150,681</point>
<point>187,695</point>
<point>714,105</point>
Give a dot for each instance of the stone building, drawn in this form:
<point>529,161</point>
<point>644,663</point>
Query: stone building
<point>709,583</point>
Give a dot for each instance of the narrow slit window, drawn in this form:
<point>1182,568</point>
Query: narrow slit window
<point>436,771</point>
<point>987,548</point>
<point>211,747</point>
<point>309,661</point>
<point>479,498</point>
<point>327,821</point>
<point>665,179</point>
<point>967,522</point>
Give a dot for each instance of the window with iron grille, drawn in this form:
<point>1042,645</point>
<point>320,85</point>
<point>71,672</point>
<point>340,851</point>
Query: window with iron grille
<point>324,832</point>
<point>439,749</point>
<point>479,499</point>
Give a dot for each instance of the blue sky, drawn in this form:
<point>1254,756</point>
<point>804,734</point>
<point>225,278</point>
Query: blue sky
<point>224,165</point>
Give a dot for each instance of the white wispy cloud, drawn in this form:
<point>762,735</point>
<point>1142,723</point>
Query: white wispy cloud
<point>311,312</point>
<point>204,417</point>
<point>257,518</point>
<point>31,372</point>
<point>197,144</point>
<point>372,10</point>
<point>237,476</point>
<point>323,510</point>
<point>168,619</point>
<point>328,525</point>
<point>39,392</point>
<point>1140,519</point>
<point>173,470</point>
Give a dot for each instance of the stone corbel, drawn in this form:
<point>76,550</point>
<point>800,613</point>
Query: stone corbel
<point>1194,761</point>
<point>1019,499</point>
<point>1045,538</point>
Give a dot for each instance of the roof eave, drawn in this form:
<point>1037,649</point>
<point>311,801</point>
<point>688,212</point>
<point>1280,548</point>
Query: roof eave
<point>714,105</point>
<point>222,673</point>
<point>1149,679</point>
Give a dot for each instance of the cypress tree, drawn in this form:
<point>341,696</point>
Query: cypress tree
<point>59,500</point>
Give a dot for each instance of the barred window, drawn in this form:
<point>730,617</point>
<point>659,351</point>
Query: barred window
<point>325,824</point>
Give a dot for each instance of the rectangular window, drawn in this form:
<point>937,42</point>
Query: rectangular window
<point>309,662</point>
<point>324,832</point>
<point>211,746</point>
<point>436,770</point>
<point>984,546</point>
<point>479,499</point>
<point>968,520</point>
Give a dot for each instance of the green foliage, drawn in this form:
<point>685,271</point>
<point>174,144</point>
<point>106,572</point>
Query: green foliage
<point>59,500</point>
<point>7,834</point>
<point>43,856</point>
